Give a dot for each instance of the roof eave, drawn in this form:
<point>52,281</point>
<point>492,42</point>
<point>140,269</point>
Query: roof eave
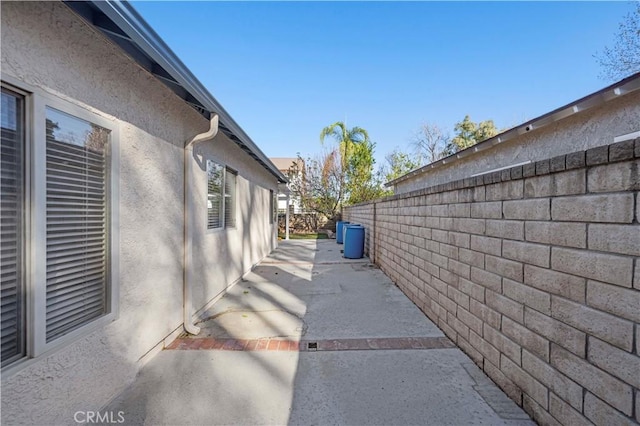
<point>131,28</point>
<point>620,88</point>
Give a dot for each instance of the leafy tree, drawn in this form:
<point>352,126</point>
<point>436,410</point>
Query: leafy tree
<point>623,59</point>
<point>96,139</point>
<point>399,164</point>
<point>342,174</point>
<point>486,129</point>
<point>355,151</point>
<point>316,181</point>
<point>430,144</point>
<point>51,128</point>
<point>469,133</point>
<point>363,184</point>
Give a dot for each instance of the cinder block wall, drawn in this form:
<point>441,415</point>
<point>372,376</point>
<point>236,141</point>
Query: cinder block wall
<point>534,272</point>
<point>364,214</point>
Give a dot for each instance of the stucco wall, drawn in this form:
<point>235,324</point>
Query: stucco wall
<point>534,273</point>
<point>48,47</point>
<point>222,256</point>
<point>581,131</point>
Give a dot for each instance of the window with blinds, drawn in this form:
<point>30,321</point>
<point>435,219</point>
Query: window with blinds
<point>230,179</point>
<point>55,206</point>
<point>12,213</point>
<point>76,222</point>
<point>215,195</point>
<point>272,205</point>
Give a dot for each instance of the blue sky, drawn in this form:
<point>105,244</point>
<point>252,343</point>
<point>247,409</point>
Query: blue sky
<point>284,70</point>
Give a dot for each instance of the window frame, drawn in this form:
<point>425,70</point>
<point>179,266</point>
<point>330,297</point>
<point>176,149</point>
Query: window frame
<point>35,103</point>
<point>26,224</point>
<point>223,196</point>
<point>234,198</point>
<point>273,206</point>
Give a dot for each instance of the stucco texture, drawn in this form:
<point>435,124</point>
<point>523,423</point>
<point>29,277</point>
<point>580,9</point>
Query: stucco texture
<point>48,47</point>
<point>588,129</point>
<point>222,256</point>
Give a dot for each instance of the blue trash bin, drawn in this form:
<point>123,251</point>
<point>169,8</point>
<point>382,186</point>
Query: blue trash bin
<point>344,231</point>
<point>354,242</point>
<point>339,227</point>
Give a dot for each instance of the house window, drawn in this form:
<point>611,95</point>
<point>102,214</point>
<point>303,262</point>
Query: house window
<point>221,196</point>
<point>274,210</point>
<point>77,204</point>
<point>12,229</point>
<point>230,178</point>
<point>272,206</point>
<point>57,192</point>
<point>215,195</point>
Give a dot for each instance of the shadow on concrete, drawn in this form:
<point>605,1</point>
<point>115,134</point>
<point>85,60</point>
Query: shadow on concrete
<point>306,290</point>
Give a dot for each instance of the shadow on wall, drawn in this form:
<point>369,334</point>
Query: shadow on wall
<point>156,308</point>
<point>151,241</point>
<point>206,392</point>
<point>222,256</point>
<point>89,372</point>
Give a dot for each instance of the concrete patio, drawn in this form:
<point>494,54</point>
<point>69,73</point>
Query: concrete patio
<point>311,338</point>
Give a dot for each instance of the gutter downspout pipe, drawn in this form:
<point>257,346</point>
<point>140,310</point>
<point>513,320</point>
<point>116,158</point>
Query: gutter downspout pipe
<point>187,305</point>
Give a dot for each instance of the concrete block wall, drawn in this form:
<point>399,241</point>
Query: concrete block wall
<point>534,272</point>
<point>364,214</point>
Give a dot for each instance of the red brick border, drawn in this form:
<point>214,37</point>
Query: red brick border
<point>379,343</point>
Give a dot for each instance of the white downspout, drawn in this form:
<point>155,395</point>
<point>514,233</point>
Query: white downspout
<point>187,305</point>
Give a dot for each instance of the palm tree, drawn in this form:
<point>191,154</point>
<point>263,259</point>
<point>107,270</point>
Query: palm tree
<point>347,139</point>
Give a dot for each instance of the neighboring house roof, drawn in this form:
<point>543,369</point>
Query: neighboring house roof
<point>623,87</point>
<point>284,163</point>
<point>121,23</point>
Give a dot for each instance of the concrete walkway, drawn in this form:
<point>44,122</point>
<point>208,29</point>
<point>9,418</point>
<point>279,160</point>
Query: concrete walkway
<point>310,338</point>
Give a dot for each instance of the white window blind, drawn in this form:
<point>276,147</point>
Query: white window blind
<point>215,177</point>
<point>230,198</point>
<point>76,222</point>
<point>272,206</point>
<point>12,227</point>
<point>275,207</point>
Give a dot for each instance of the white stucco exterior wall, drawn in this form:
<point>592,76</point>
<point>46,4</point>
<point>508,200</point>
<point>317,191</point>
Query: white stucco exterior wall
<point>48,47</point>
<point>588,129</point>
<point>235,250</point>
